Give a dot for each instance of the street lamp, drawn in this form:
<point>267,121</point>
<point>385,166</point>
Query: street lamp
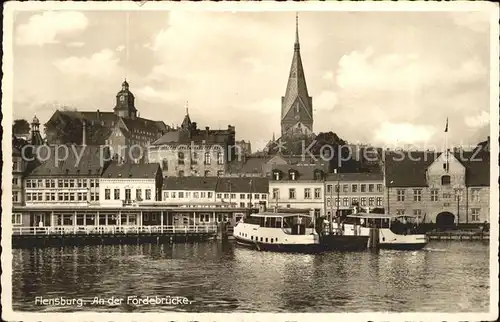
<point>458,193</point>
<point>388,203</point>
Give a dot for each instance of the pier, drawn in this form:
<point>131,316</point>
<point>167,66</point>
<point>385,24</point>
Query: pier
<point>458,235</point>
<point>83,235</point>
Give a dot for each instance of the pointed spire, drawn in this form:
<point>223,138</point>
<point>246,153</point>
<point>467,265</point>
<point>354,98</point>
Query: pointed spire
<point>187,108</point>
<point>297,44</point>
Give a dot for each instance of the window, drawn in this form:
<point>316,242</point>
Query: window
<point>226,195</point>
<point>219,196</point>
<point>249,196</point>
<point>379,201</point>
<point>181,173</point>
<point>242,196</point>
<point>220,158</point>
<point>329,188</point>
<point>337,188</point>
<point>16,219</point>
<point>292,175</point>
<point>337,202</point>
<point>363,188</point>
<point>207,158</point>
<point>165,195</point>
<point>242,205</point>
<point>174,195</point>
<point>445,180</point>
<point>15,196</point>
<point>107,194</point>
<point>400,212</point>
<point>203,194</point>
<point>345,202</point>
<point>196,195</point>
<point>180,158</point>
<point>417,195</point>
<point>354,188</point>
<point>307,193</point>
<point>138,194</point>
<point>354,201</point>
<point>400,195</point>
<point>15,165</point>
<point>264,196</point>
<point>371,187</point>
<point>256,196</point>
<point>210,194</point>
<point>475,195</point>
<point>276,193</point>
<point>148,194</point>
<point>363,201</point>
<point>220,173</point>
<point>276,175</point>
<point>434,195</point>
<point>317,193</point>
<point>291,193</point>
<point>117,194</point>
<point>379,188</point>
<point>317,212</point>
<point>328,202</point>
<point>194,158</point>
<point>345,188</point>
<point>207,173</point>
<point>164,164</point>
<point>371,201</point>
<point>188,194</point>
<point>417,212</point>
<point>475,212</point>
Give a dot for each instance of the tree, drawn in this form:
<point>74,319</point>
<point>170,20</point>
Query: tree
<point>20,126</point>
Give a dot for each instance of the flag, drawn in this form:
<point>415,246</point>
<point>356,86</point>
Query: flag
<point>446,128</point>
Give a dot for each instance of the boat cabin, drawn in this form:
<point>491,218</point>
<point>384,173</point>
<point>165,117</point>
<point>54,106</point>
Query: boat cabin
<point>292,224</point>
<point>398,224</point>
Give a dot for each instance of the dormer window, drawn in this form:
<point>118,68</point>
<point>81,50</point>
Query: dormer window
<point>276,175</point>
<point>292,175</point>
<point>318,174</point>
<point>445,180</point>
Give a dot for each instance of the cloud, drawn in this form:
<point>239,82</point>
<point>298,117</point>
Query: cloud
<point>45,28</point>
<point>403,133</point>
<point>75,44</point>
<point>328,76</point>
<point>120,48</point>
<point>477,121</point>
<point>148,93</point>
<point>325,101</point>
<point>478,21</point>
<point>102,65</point>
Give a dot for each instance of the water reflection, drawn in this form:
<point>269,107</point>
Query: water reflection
<point>222,277</point>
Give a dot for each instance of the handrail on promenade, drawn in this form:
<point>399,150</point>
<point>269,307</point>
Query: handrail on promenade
<point>125,229</point>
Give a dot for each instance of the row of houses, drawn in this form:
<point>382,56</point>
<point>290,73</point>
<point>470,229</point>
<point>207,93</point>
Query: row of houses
<point>436,187</point>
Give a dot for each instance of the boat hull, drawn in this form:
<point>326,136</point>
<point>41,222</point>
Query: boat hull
<point>327,243</point>
<point>402,246</point>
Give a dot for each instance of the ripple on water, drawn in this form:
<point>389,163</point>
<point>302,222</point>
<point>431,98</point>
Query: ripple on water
<point>446,277</point>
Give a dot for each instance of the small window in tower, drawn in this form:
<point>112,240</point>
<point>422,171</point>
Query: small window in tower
<point>297,108</point>
<point>122,98</point>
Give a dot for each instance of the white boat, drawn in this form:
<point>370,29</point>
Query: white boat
<point>291,232</point>
<point>395,232</point>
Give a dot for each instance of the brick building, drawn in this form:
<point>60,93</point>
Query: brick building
<point>119,129</point>
<point>442,188</point>
<point>190,151</point>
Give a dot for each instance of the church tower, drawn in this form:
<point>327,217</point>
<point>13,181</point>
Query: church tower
<point>296,105</point>
<point>125,106</point>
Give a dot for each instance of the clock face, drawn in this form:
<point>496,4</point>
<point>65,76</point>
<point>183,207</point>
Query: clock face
<point>122,98</point>
<point>297,117</point>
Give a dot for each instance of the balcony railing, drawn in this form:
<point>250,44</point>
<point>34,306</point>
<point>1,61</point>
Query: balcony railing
<point>93,230</point>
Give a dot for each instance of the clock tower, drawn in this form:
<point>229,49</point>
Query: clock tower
<point>125,106</point>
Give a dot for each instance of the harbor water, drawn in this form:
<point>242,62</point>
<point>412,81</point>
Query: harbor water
<point>447,276</point>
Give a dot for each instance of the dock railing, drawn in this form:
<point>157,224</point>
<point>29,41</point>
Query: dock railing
<point>126,229</point>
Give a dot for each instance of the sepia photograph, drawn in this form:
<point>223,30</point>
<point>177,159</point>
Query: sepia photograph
<point>274,161</point>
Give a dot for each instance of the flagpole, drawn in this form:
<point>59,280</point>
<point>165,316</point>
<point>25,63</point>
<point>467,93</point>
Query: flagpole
<point>446,146</point>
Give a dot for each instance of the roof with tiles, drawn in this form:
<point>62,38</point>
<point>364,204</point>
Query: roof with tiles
<point>131,170</point>
<point>70,160</point>
<point>305,172</point>
<point>190,183</point>
<point>401,170</point>
<point>249,165</point>
<point>354,177</point>
<point>197,136</point>
<point>239,185</point>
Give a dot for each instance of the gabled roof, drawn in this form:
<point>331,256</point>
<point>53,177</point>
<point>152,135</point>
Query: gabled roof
<point>405,170</point>
<point>190,183</point>
<point>70,160</point>
<point>243,185</point>
<point>131,170</point>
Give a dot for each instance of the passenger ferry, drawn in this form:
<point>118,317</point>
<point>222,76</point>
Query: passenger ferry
<point>395,232</point>
<point>291,232</point>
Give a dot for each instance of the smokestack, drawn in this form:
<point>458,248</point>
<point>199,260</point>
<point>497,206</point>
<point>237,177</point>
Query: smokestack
<point>84,133</point>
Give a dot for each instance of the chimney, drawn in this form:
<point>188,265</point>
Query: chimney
<point>194,125</point>
<point>206,130</point>
<point>84,133</point>
<point>98,114</point>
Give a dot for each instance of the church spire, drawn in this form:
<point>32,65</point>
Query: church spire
<point>296,105</point>
<point>297,44</point>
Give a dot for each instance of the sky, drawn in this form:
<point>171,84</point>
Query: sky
<point>381,78</point>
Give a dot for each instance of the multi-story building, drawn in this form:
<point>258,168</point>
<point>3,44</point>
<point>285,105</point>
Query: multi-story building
<point>189,190</point>
<point>120,129</point>
<point>443,188</point>
<point>299,187</point>
<point>64,175</point>
<point>130,183</point>
<point>243,192</point>
<point>342,190</point>
<point>189,151</point>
